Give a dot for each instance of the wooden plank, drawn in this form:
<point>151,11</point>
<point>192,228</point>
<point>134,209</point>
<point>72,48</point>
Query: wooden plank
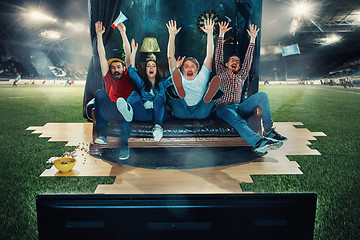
<point>205,180</point>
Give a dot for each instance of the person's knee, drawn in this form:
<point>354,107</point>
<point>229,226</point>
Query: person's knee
<point>263,95</point>
<point>134,97</point>
<point>101,94</point>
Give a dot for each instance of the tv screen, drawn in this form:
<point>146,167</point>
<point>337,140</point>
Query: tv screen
<point>290,50</point>
<point>176,216</point>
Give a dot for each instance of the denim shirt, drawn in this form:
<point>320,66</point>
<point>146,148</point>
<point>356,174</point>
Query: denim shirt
<point>149,96</point>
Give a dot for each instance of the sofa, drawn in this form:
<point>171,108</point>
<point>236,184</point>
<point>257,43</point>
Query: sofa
<point>210,132</point>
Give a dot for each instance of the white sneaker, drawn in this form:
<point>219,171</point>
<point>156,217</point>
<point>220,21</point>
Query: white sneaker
<point>124,153</point>
<point>157,133</point>
<point>101,140</point>
<point>125,109</point>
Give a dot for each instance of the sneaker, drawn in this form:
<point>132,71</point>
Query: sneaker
<point>212,89</point>
<point>125,109</point>
<point>157,132</point>
<point>265,144</point>
<point>274,135</point>
<point>177,79</point>
<point>124,153</point>
<point>101,140</point>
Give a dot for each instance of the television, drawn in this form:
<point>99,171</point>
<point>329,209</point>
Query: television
<point>290,50</point>
<point>176,216</point>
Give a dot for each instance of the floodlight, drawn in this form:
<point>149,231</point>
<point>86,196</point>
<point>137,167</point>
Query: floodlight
<point>51,35</point>
<point>302,9</point>
<point>277,50</point>
<point>294,26</point>
<point>36,15</point>
<point>76,27</point>
<point>262,51</point>
<point>331,39</point>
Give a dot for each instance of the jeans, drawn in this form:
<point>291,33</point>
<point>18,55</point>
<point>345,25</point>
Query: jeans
<point>156,114</point>
<point>105,111</point>
<point>199,111</point>
<point>234,115</point>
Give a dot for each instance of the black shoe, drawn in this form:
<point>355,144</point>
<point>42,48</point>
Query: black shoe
<point>274,135</point>
<point>265,144</point>
<point>172,92</point>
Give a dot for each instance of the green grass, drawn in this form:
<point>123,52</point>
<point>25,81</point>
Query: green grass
<point>334,175</point>
<point>24,155</point>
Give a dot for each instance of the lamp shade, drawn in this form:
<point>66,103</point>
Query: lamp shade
<point>150,45</point>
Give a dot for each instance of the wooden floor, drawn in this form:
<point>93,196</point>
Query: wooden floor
<point>132,180</point>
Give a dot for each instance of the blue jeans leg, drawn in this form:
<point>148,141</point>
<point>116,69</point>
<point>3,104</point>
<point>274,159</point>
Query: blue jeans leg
<point>140,113</point>
<point>157,114</point>
<point>258,99</point>
<point>202,110</point>
<point>199,111</point>
<point>230,113</point>
<point>106,110</point>
<point>159,110</point>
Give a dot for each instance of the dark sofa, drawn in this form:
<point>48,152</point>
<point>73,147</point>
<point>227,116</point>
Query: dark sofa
<point>210,132</point>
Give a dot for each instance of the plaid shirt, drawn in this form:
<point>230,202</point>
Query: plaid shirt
<point>231,83</point>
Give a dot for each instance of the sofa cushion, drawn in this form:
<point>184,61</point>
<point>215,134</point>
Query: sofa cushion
<point>173,127</point>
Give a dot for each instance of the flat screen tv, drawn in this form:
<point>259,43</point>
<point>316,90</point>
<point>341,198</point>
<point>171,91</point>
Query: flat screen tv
<point>176,216</point>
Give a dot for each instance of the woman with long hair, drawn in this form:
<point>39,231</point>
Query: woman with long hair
<point>149,103</point>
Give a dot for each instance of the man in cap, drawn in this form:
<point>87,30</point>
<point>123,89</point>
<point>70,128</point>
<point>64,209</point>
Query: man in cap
<point>110,103</point>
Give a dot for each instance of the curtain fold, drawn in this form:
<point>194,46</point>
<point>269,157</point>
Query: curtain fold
<point>105,11</point>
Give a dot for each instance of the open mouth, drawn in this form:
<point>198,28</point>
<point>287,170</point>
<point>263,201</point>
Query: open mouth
<point>190,73</point>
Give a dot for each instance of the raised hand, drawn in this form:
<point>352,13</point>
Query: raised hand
<point>171,25</point>
<point>180,61</point>
<point>134,45</point>
<point>99,28</point>
<point>121,27</point>
<point>253,32</point>
<point>223,28</point>
<point>208,26</point>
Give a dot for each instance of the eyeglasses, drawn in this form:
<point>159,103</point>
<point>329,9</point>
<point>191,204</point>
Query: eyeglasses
<point>234,60</point>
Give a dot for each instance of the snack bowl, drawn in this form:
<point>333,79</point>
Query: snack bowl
<point>64,164</point>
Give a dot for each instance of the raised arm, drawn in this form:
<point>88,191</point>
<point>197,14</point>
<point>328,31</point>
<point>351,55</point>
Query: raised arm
<point>219,54</point>
<point>171,25</point>
<point>134,47</point>
<point>100,29</point>
<point>209,30</point>
<point>122,29</point>
<point>253,32</point>
<point>246,66</point>
<point>132,72</point>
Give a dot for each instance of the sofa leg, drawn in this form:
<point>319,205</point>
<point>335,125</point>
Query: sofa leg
<point>94,149</point>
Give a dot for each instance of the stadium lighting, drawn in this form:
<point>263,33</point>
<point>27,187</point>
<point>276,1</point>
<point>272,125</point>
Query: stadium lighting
<point>39,16</point>
<point>331,39</point>
<point>302,9</point>
<point>76,27</point>
<point>294,26</point>
<point>262,51</point>
<point>53,35</point>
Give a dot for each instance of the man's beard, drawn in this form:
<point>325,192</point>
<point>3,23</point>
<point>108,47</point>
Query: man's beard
<point>117,75</point>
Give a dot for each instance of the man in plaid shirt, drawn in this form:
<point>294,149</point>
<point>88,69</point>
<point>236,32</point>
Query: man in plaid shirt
<point>229,107</point>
